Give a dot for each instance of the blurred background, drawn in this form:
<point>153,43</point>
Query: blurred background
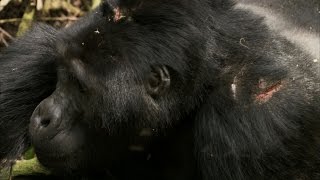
<point>17,16</point>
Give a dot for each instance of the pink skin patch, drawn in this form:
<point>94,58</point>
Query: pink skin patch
<point>117,14</point>
<point>267,94</point>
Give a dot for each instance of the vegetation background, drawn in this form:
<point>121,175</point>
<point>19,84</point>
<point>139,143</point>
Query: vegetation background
<point>16,16</point>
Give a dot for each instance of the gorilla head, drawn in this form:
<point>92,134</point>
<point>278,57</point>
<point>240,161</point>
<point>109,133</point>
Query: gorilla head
<point>122,71</point>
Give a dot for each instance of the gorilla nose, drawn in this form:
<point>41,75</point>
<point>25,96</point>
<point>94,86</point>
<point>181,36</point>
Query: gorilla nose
<point>45,120</point>
<point>41,122</point>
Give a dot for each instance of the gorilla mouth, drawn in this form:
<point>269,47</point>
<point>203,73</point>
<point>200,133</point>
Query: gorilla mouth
<point>62,163</point>
<point>51,159</point>
<point>52,155</point>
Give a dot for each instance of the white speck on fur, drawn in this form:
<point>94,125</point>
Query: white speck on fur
<point>97,31</point>
<point>234,87</point>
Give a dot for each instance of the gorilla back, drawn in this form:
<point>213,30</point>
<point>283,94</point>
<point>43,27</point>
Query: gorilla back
<point>167,89</point>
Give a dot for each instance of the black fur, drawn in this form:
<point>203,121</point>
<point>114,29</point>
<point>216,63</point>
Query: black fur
<point>28,75</point>
<point>216,120</point>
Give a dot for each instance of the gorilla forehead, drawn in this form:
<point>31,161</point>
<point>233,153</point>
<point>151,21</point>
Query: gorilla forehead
<point>153,32</point>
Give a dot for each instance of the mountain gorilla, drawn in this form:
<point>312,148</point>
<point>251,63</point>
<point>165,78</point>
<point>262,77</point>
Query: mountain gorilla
<point>167,89</point>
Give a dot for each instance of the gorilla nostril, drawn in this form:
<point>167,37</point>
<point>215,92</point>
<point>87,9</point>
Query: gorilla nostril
<point>45,123</point>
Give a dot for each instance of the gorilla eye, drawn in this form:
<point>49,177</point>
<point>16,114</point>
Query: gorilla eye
<point>81,87</point>
<point>78,84</point>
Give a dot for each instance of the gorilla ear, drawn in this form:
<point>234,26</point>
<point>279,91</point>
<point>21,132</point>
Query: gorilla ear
<point>158,81</point>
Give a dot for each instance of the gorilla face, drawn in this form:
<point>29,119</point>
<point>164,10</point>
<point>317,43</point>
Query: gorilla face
<point>64,126</point>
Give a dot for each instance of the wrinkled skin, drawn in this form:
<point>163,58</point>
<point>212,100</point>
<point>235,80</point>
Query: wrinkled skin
<point>167,89</point>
